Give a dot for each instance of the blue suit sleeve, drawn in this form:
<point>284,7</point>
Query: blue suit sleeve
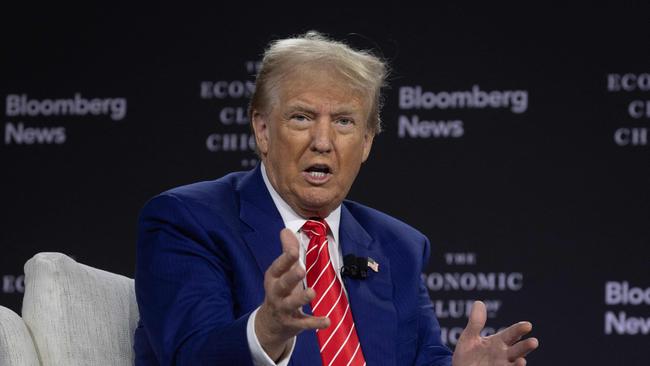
<point>183,289</point>
<point>431,350</point>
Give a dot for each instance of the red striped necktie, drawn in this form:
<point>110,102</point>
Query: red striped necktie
<point>339,344</point>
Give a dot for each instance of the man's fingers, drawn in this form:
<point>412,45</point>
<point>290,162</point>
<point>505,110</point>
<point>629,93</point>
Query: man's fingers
<point>289,254</point>
<point>521,349</point>
<point>520,362</point>
<point>514,332</point>
<point>313,322</point>
<point>288,281</point>
<point>299,298</point>
<point>476,321</point>
<point>282,264</point>
<point>289,241</point>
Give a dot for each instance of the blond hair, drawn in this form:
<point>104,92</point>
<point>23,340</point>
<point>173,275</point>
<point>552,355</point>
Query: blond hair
<point>365,72</point>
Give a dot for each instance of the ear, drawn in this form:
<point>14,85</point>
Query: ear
<point>261,130</point>
<point>367,144</point>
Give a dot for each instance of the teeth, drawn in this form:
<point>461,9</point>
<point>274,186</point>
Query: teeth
<point>317,174</point>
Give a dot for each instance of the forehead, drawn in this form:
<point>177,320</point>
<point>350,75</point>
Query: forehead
<point>318,88</point>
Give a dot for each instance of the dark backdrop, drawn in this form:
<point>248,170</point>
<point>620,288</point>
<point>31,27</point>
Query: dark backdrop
<point>533,189</point>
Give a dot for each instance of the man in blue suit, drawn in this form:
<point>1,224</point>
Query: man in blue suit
<point>223,267</point>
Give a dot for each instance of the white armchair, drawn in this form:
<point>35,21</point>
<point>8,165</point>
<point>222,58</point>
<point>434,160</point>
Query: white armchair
<point>72,314</point>
<point>16,345</point>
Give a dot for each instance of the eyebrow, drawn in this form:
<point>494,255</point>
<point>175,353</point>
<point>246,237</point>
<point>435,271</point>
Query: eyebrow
<point>300,107</point>
<point>303,107</point>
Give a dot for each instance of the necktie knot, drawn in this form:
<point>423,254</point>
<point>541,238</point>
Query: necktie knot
<point>315,227</point>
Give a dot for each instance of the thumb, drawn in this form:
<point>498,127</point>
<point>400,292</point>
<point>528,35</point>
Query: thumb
<point>289,242</point>
<point>476,321</point>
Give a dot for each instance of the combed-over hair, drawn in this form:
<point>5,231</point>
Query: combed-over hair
<point>365,72</point>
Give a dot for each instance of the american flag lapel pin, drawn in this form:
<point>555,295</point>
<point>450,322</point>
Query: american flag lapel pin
<point>372,264</point>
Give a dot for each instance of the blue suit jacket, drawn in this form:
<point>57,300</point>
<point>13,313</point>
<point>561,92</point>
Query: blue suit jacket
<point>201,257</point>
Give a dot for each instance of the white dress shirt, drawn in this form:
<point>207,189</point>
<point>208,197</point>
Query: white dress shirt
<point>294,222</point>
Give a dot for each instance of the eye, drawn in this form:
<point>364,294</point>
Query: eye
<point>299,117</point>
<point>345,121</point>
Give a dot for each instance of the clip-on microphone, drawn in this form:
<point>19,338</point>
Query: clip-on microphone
<point>355,267</point>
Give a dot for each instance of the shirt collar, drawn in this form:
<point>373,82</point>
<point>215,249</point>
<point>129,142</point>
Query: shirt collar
<point>291,219</point>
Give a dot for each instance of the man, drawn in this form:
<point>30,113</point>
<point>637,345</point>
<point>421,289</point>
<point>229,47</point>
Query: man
<point>244,270</point>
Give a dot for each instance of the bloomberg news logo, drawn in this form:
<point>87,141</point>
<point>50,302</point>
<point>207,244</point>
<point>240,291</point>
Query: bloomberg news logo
<point>631,300</point>
<point>32,119</point>
<point>414,99</point>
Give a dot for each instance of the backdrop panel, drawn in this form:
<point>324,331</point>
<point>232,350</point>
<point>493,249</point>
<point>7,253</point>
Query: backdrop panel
<point>521,151</point>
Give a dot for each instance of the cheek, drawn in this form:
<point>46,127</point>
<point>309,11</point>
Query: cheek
<point>285,158</point>
<point>350,167</point>
<point>353,153</point>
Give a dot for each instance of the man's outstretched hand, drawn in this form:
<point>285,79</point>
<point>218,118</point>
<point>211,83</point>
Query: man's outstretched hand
<point>280,316</point>
<point>504,348</point>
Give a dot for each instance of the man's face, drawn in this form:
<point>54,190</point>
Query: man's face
<point>313,140</point>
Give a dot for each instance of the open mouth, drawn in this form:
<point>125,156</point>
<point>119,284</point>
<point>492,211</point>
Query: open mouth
<point>318,171</point>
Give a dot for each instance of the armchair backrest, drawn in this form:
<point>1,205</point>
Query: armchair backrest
<point>16,345</point>
<point>77,314</point>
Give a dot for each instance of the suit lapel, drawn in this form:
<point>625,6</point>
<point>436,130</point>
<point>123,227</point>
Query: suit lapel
<point>370,299</point>
<point>262,217</point>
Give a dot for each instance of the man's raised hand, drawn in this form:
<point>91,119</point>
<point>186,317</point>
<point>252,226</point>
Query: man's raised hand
<point>504,348</point>
<point>280,316</point>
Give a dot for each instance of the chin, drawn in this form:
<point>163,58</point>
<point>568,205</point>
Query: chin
<point>320,205</point>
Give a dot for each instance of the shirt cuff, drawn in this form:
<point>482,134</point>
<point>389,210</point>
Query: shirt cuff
<point>260,358</point>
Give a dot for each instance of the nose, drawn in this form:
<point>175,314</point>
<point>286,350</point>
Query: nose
<point>322,135</point>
